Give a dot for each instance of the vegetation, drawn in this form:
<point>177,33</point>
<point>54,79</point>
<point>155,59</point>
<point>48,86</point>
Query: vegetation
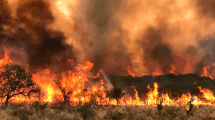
<point>174,85</point>
<point>66,93</point>
<point>92,112</point>
<point>14,80</point>
<point>115,93</point>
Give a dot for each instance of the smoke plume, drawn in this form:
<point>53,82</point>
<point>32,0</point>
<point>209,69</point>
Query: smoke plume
<point>145,35</point>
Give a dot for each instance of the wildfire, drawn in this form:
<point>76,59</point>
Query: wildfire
<point>152,94</point>
<point>45,80</point>
<point>6,58</point>
<point>207,94</point>
<point>206,73</point>
<point>172,70</point>
<point>156,73</point>
<point>70,87</point>
<point>130,73</point>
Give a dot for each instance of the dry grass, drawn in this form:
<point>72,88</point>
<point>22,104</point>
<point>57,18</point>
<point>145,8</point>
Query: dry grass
<point>91,112</point>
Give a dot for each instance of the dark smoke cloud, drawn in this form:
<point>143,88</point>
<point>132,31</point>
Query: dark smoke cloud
<point>198,68</point>
<point>117,59</point>
<point>4,17</point>
<point>35,14</point>
<point>45,51</point>
<point>154,36</point>
<point>105,50</point>
<point>208,47</point>
<point>162,54</point>
<point>206,7</point>
<point>191,50</point>
<point>100,15</point>
<point>157,53</point>
<point>48,44</point>
<point>44,48</point>
<point>95,28</point>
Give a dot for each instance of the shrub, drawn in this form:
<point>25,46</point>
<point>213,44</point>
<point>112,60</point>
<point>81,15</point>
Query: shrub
<point>86,111</point>
<point>22,114</point>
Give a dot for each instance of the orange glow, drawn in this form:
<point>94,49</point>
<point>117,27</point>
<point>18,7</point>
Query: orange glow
<point>152,94</point>
<point>172,71</point>
<point>130,73</point>
<point>45,80</point>
<point>207,94</point>
<point>156,73</point>
<point>206,73</point>
<point>6,58</point>
<point>72,84</point>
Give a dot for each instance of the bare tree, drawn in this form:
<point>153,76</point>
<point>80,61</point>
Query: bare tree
<point>14,80</point>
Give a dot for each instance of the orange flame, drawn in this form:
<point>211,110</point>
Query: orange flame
<point>130,73</point>
<point>207,94</point>
<point>6,58</point>
<point>151,95</point>
<point>156,73</point>
<point>73,83</point>
<point>206,73</point>
<point>172,70</point>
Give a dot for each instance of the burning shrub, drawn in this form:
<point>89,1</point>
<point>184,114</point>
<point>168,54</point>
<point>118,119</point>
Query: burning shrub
<point>16,81</point>
<point>116,93</point>
<point>66,93</point>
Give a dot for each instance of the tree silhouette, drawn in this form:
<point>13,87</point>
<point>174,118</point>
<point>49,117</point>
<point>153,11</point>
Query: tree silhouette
<point>14,80</point>
<point>116,93</point>
<point>65,92</point>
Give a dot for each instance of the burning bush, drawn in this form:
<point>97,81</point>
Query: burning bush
<point>15,81</point>
<point>116,93</point>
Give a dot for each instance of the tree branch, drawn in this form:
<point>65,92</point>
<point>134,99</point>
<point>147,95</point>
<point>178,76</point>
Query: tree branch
<point>17,94</point>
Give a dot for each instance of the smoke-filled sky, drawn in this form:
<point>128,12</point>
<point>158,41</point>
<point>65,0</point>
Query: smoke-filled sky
<point>146,35</point>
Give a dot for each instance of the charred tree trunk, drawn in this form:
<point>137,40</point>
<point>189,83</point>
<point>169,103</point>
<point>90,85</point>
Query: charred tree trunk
<point>65,94</point>
<point>66,99</point>
<point>6,102</point>
<point>117,100</point>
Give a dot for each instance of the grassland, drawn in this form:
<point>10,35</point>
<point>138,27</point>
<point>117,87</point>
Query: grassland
<point>92,112</point>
